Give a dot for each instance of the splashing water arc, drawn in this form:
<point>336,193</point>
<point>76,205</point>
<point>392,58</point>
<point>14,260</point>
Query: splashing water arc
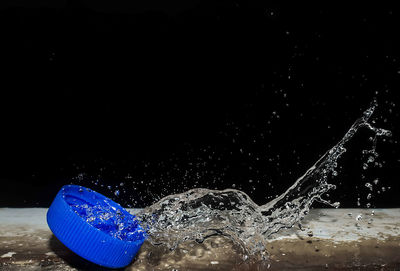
<point>200,213</point>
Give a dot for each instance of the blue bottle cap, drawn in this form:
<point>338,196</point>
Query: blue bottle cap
<point>95,227</point>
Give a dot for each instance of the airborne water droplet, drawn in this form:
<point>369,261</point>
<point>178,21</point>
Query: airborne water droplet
<point>368,185</point>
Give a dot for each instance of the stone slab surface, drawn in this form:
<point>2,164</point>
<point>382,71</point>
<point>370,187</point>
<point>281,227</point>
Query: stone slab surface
<point>330,239</point>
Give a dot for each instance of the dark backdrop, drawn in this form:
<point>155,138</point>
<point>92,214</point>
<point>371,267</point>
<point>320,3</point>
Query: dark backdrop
<point>142,99</point>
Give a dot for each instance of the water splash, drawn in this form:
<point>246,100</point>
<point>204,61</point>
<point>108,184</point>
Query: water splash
<point>110,220</point>
<point>201,213</point>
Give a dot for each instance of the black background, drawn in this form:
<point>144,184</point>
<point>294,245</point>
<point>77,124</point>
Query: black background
<point>167,96</point>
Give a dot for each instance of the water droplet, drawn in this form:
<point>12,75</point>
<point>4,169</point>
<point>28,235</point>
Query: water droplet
<point>368,185</point>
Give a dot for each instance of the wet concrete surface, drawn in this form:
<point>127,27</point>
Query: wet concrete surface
<point>330,239</point>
